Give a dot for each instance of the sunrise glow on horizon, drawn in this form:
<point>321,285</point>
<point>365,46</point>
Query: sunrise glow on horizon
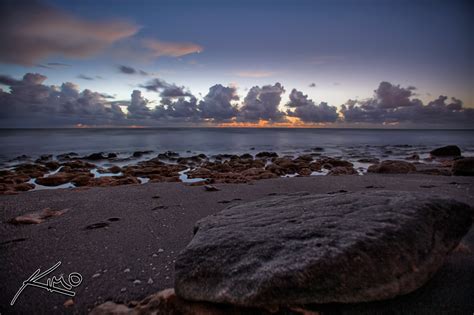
<point>286,64</point>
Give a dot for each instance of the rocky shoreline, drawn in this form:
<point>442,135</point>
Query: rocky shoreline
<point>107,169</point>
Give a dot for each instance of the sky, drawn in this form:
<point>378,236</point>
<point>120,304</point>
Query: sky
<point>340,63</point>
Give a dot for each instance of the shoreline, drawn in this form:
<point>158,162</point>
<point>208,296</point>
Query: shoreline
<point>71,170</point>
<point>115,236</point>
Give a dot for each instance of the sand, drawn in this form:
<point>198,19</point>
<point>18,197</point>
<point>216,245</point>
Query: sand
<point>147,225</point>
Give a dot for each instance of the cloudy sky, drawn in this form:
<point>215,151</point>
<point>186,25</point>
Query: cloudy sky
<point>340,63</point>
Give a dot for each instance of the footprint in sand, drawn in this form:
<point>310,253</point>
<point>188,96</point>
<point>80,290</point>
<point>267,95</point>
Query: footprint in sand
<point>229,201</point>
<point>97,225</point>
<point>337,192</point>
<point>100,225</point>
<point>427,186</point>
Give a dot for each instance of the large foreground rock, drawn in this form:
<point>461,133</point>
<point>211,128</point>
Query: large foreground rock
<point>307,248</point>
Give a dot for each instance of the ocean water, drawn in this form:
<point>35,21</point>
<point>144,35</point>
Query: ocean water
<point>350,144</point>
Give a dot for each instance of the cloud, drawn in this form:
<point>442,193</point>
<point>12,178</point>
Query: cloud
<point>127,70</point>
<point>165,89</point>
<point>312,85</point>
<point>85,77</point>
<point>255,74</point>
<point>306,110</point>
<point>58,64</point>
<point>394,104</point>
<point>31,103</point>
<point>32,31</point>
<point>181,110</point>
<point>53,65</point>
<point>217,104</point>
<point>392,96</point>
<point>158,48</point>
<point>130,70</point>
<point>262,104</point>
<point>138,108</point>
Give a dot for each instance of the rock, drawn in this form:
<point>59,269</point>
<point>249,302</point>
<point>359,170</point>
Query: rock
<point>111,155</point>
<point>266,154</point>
<point>166,302</point>
<point>23,187</point>
<point>464,167</point>
<point>305,172</point>
<point>78,165</point>
<point>115,169</point>
<point>82,180</point>
<point>111,308</point>
<point>317,149</point>
<point>32,170</point>
<point>66,156</point>
<point>168,155</point>
<point>308,248</point>
<point>413,157</point>
<point>334,163</point>
<point>392,167</point>
<point>44,158</point>
<point>52,165</point>
<point>369,160</point>
<point>140,153</point>
<point>37,217</point>
<point>450,150</point>
<point>246,156</point>
<point>95,156</point>
<point>340,170</point>
<point>56,179</point>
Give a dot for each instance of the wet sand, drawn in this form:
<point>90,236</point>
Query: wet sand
<point>114,236</point>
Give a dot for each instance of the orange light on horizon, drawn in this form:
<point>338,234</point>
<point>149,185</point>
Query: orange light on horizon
<point>293,122</point>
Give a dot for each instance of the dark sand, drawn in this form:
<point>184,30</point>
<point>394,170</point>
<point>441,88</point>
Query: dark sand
<point>147,224</point>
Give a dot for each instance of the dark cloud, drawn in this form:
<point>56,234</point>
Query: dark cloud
<point>53,65</point>
<point>393,96</point>
<point>130,70</point>
<point>7,80</point>
<point>138,108</point>
<point>126,69</point>
<point>85,77</point>
<point>31,103</point>
<point>58,64</point>
<point>306,110</point>
<point>262,103</point>
<point>32,31</point>
<point>180,110</point>
<point>217,104</point>
<point>165,89</point>
<point>394,104</point>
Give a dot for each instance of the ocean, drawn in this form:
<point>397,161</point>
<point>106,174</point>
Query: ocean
<point>345,143</point>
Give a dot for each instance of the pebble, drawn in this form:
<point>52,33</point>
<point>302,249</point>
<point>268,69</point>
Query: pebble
<point>150,281</point>
<point>127,270</point>
<point>96,275</point>
<point>137,282</point>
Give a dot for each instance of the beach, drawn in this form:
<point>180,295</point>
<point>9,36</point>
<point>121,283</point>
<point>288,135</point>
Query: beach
<point>123,240</point>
